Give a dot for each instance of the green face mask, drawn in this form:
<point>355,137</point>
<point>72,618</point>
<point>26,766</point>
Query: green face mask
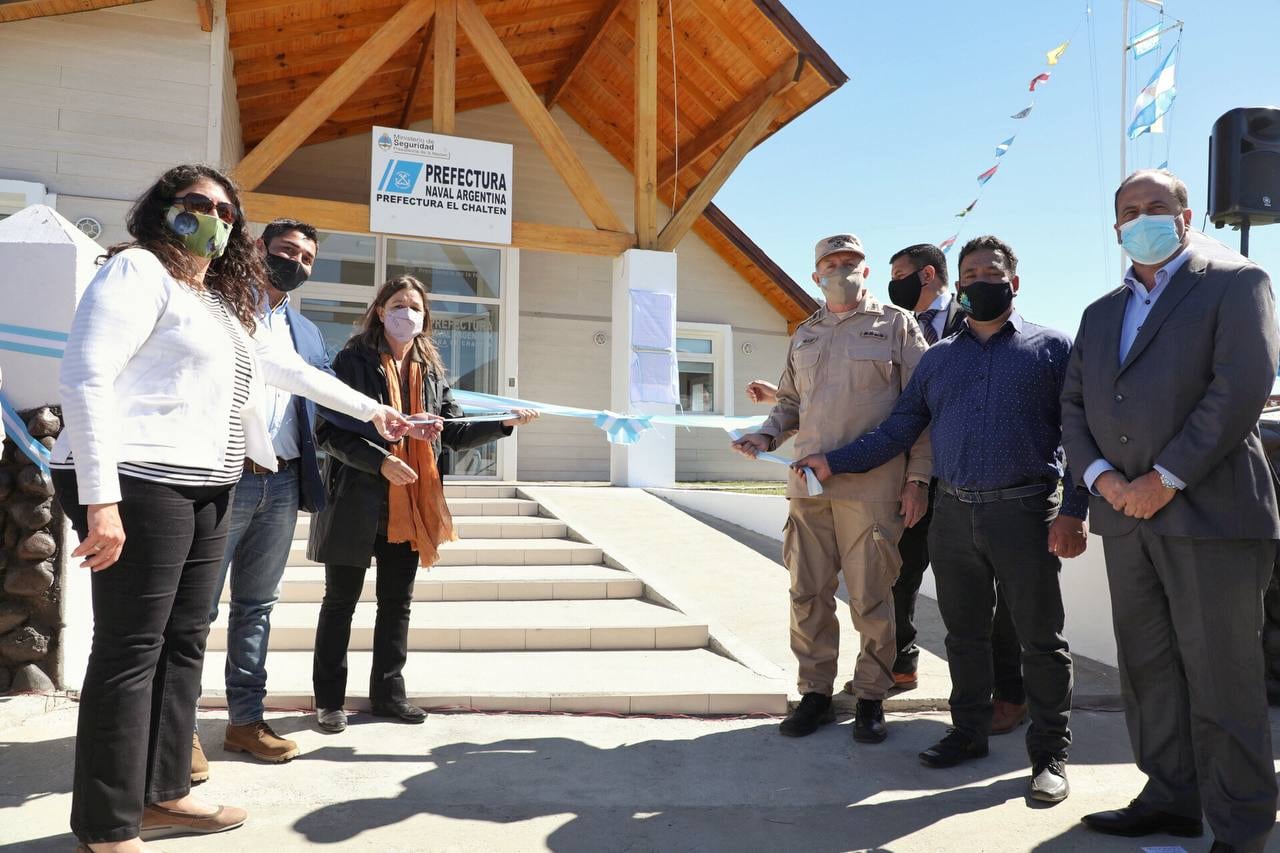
<point>203,234</point>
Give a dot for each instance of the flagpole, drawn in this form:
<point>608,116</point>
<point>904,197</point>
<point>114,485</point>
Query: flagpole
<point>1124,92</point>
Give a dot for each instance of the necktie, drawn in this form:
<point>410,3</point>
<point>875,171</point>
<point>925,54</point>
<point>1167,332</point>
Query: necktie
<point>925,319</point>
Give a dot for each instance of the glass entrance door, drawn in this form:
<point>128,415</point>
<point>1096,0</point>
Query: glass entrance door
<point>466,300</point>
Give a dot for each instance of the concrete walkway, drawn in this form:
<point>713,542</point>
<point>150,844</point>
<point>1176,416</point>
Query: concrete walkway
<point>479,782</point>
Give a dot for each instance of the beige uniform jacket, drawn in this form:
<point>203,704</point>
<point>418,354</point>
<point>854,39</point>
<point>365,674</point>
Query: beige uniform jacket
<point>842,379</point>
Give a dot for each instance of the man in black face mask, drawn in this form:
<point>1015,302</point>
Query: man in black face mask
<point>989,397</point>
<point>264,512</point>
<point>920,284</point>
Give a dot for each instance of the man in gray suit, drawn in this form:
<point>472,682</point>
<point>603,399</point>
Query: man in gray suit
<point>1160,408</point>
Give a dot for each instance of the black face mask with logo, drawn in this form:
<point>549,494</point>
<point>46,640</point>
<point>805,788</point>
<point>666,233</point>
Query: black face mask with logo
<point>905,292</point>
<point>286,274</point>
<point>986,300</point>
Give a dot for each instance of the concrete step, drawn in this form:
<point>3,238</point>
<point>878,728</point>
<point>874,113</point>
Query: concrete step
<point>478,490</point>
<point>480,583</point>
<point>495,552</point>
<point>460,508</point>
<point>498,625</point>
<point>488,527</point>
<point>685,681</point>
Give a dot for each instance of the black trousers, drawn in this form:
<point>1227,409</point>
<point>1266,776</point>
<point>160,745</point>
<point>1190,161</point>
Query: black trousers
<point>1006,654</point>
<point>974,546</point>
<point>150,622</point>
<point>1191,674</point>
<point>397,568</point>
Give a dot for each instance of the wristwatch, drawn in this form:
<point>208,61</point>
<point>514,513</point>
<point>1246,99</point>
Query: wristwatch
<point>1167,483</point>
<point>921,483</point>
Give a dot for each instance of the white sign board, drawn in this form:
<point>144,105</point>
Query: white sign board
<point>449,187</point>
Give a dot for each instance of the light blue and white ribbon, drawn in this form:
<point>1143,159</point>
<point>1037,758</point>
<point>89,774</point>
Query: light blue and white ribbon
<point>32,341</point>
<point>811,481</point>
<point>17,432</point>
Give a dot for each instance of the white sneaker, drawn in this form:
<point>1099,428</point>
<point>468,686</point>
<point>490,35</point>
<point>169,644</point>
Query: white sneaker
<point>331,719</point>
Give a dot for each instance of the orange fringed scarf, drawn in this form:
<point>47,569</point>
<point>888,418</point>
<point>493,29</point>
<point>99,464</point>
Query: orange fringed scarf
<point>417,513</point>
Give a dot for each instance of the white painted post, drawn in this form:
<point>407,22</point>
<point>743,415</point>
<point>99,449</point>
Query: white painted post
<point>651,462</point>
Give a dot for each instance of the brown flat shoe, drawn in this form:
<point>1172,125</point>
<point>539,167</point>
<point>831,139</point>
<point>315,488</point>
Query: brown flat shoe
<point>1006,716</point>
<point>159,822</point>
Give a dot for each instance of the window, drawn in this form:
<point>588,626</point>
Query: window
<point>704,368</point>
<point>346,259</point>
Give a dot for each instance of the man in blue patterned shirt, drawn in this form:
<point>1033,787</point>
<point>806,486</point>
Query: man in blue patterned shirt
<point>989,397</point>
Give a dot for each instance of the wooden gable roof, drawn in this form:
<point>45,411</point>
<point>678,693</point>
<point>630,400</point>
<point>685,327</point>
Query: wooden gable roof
<point>578,54</point>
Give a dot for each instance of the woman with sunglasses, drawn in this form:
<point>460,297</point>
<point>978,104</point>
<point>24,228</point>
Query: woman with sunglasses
<point>162,391</point>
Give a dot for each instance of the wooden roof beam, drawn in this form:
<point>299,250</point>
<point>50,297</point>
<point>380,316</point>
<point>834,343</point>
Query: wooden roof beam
<point>423,52</point>
<point>733,118</point>
<point>445,68</point>
<point>348,216</point>
<point>204,8</point>
<point>21,10</point>
<point>646,123</point>
<point>692,208</point>
<point>524,100</point>
<point>580,53</point>
<point>268,154</point>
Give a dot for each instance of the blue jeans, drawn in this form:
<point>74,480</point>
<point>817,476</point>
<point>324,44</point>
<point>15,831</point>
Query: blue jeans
<point>263,517</point>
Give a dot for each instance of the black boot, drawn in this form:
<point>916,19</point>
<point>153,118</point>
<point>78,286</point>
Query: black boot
<point>814,710</point>
<point>868,721</point>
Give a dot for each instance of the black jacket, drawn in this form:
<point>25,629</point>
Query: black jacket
<point>344,531</point>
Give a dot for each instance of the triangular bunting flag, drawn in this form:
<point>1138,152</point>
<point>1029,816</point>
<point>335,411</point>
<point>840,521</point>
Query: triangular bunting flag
<point>1056,54</point>
<point>946,244</point>
<point>986,176</point>
<point>1003,148</point>
<point>967,210</point>
<point>1163,165</point>
<point>1042,77</point>
<point>1154,4</point>
<point>1023,113</point>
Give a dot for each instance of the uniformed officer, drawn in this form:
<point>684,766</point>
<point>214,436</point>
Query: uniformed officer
<point>846,366</point>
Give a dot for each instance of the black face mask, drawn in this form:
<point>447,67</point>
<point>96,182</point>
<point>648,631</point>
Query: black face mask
<point>285,274</point>
<point>905,292</point>
<point>986,300</point>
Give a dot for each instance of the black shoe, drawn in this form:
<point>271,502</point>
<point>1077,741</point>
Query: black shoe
<point>956,748</point>
<point>814,710</point>
<point>402,710</point>
<point>868,722</point>
<point>1222,847</point>
<point>1136,819</point>
<point>1049,780</point>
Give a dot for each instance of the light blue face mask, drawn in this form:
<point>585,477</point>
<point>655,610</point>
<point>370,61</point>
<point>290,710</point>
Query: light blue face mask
<point>1150,239</point>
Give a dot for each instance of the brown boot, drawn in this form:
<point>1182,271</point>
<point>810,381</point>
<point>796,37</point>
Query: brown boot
<point>199,764</point>
<point>1006,716</point>
<point>258,740</point>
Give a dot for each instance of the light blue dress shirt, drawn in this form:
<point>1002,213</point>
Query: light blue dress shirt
<point>940,304</point>
<point>1136,310</point>
<point>282,416</point>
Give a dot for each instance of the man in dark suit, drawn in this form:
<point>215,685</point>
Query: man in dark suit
<point>920,284</point>
<point>1160,410</point>
<point>265,510</point>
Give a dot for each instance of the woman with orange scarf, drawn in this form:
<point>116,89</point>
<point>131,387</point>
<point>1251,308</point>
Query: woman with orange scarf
<point>385,500</point>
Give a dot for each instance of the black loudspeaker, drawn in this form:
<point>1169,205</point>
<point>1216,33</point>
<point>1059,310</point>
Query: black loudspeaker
<point>1244,167</point>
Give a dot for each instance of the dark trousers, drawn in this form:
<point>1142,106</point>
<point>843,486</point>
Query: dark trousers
<point>1188,619</point>
<point>397,568</point>
<point>150,622</point>
<point>1006,654</point>
<point>975,546</point>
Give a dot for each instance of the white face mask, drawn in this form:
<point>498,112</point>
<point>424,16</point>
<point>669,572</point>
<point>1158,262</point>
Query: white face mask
<point>843,286</point>
<point>403,324</point>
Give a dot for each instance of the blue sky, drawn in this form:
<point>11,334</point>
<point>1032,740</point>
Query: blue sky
<point>894,154</point>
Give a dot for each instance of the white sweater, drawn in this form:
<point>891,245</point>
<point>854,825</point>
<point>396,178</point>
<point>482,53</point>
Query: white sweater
<point>148,376</point>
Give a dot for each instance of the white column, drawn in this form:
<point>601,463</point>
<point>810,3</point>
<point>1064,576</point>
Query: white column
<point>651,462</point>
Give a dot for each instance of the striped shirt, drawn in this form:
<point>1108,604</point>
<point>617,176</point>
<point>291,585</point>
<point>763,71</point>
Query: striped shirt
<point>233,460</point>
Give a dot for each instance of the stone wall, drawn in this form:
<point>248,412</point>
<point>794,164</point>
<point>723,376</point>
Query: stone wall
<point>31,567</point>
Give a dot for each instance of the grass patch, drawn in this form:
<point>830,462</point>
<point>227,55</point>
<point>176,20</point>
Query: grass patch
<point>749,487</point>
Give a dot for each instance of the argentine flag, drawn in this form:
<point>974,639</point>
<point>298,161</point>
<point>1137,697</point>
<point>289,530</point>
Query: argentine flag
<point>1154,100</point>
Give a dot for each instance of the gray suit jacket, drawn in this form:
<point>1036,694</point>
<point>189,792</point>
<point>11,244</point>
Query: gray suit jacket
<point>1186,397</point>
